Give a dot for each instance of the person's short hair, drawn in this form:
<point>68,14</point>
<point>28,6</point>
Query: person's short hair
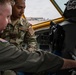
<point>16,1</point>
<point>6,1</point>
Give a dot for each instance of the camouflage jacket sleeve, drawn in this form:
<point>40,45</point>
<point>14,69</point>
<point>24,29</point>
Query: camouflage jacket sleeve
<point>30,37</point>
<point>23,60</point>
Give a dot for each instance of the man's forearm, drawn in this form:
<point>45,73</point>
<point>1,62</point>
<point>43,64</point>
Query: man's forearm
<point>69,64</point>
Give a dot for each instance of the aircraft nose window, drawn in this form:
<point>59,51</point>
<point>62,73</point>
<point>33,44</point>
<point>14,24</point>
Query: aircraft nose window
<point>61,4</point>
<point>37,11</point>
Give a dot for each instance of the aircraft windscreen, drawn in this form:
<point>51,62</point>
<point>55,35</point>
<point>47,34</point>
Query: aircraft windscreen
<point>42,10</point>
<point>61,4</point>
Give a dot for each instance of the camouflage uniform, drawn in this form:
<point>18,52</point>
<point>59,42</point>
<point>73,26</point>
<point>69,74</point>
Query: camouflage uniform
<point>18,34</point>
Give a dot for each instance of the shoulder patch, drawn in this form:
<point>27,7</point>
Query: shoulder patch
<point>2,40</point>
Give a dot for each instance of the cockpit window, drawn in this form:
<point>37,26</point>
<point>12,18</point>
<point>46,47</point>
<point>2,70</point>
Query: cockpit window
<point>61,4</point>
<point>38,11</point>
